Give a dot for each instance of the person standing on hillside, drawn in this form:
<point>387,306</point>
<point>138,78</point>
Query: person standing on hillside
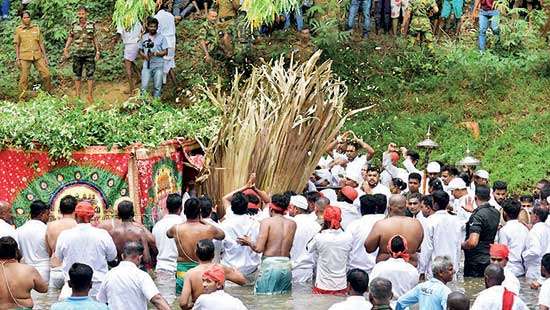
<point>30,50</point>
<point>153,48</point>
<point>86,52</point>
<point>487,12</point>
<point>130,39</point>
<point>167,28</point>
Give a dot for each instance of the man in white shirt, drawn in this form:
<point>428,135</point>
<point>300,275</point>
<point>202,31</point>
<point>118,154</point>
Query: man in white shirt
<point>306,229</point>
<point>402,275</point>
<point>544,295</point>
<point>537,245</point>
<point>499,255</point>
<point>167,251</point>
<point>85,244</point>
<point>500,192</point>
<point>448,173</point>
<point>497,296</point>
<point>372,185</point>
<point>128,287</point>
<point>390,158</point>
<point>372,212</point>
<point>214,297</point>
<point>346,196</point>
<point>434,170</point>
<point>443,233</point>
<point>514,235</point>
<point>353,160</point>
<point>6,230</point>
<point>358,285</point>
<point>240,224</point>
<point>332,246</point>
<point>130,38</point>
<point>167,27</point>
<point>463,203</point>
<point>31,238</point>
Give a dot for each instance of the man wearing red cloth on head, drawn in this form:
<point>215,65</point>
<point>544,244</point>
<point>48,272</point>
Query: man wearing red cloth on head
<point>499,255</point>
<point>214,297</point>
<point>496,296</point>
<point>332,246</point>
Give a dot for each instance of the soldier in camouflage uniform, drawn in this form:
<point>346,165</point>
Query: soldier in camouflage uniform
<point>420,29</point>
<point>85,53</point>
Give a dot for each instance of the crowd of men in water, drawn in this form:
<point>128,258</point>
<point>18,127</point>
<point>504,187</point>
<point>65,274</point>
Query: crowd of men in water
<point>384,237</point>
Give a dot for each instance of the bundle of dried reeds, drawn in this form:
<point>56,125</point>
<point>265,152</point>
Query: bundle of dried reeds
<point>276,124</point>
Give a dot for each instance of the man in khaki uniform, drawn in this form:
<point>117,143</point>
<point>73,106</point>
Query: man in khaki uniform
<point>30,50</point>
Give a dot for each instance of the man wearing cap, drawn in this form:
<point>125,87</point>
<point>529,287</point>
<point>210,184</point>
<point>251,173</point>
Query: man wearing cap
<point>332,247</point>
<point>402,275</point>
<point>463,205</point>
<point>214,297</point>
<point>499,255</point>
<point>434,170</point>
<point>537,245</point>
<point>514,235</point>
<point>306,228</point>
<point>481,178</point>
<point>275,241</point>
<point>87,245</point>
<point>346,196</point>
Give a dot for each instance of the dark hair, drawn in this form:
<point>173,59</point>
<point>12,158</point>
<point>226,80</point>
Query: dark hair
<point>428,201</point>
<point>413,155</point>
<point>414,196</point>
<point>483,193</point>
<point>280,201</point>
<point>80,276</point>
<point>82,8</point>
<point>500,185</point>
<point>254,200</point>
<point>545,193</point>
<point>436,184</point>
<point>452,169</point>
<point>173,203</point>
<point>373,168</point>
<point>125,210</point>
<point>465,177</point>
<point>356,145</point>
<point>67,204</point>
<point>192,208</point>
<point>239,203</point>
<point>415,176</point>
<point>38,207</point>
<point>541,213</point>
<point>512,208</point>
<point>206,206</point>
<point>440,200</point>
<point>133,248</point>
<point>368,203</point>
<point>545,262</point>
<point>526,198</point>
<point>381,203</point>
<point>397,244</point>
<point>397,182</point>
<point>23,13</point>
<point>152,20</point>
<point>8,248</point>
<point>205,250</point>
<point>358,280</point>
<point>312,196</point>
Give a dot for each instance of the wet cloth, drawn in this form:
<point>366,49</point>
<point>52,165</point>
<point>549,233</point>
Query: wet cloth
<point>275,276</point>
<point>492,298</point>
<point>182,269</point>
<point>514,235</point>
<point>31,238</point>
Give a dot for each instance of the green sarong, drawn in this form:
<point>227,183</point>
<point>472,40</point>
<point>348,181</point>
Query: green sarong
<point>275,276</point>
<point>183,267</point>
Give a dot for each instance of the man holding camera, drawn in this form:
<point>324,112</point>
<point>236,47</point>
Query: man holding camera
<point>152,49</point>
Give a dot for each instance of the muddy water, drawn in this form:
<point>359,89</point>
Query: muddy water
<point>301,297</point>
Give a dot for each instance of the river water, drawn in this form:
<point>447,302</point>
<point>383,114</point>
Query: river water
<point>301,297</point>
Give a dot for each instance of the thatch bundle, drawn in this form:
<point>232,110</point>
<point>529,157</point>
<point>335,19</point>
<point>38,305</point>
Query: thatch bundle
<point>276,124</point>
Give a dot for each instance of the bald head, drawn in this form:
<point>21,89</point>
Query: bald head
<point>457,301</point>
<point>398,205</point>
<point>5,211</point>
<point>494,275</point>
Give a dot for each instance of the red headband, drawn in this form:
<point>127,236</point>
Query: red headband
<point>333,215</point>
<point>84,209</point>
<point>253,205</point>
<point>276,208</point>
<point>215,273</point>
<point>499,250</point>
<point>401,254</point>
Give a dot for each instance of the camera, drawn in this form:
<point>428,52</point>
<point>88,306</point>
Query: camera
<point>148,44</point>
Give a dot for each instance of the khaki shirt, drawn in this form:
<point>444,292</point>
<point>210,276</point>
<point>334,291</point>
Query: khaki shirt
<point>29,40</point>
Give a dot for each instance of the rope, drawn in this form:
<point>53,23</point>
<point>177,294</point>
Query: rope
<point>8,286</point>
<point>181,247</point>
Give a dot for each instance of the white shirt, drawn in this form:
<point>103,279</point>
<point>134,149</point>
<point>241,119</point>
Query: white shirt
<point>378,189</point>
<point>537,245</point>
<point>6,230</point>
<point>352,303</point>
<point>31,238</point>
<point>544,295</point>
<point>218,300</point>
<point>360,229</point>
<point>167,27</point>
<point>130,37</point>
<point>402,275</point>
<point>306,229</point>
<point>127,287</point>
<point>168,251</point>
<point>350,213</point>
<point>332,248</point>
<point>514,235</point>
<point>510,281</point>
<point>87,245</point>
<point>491,299</point>
<point>234,254</point>
<point>443,237</point>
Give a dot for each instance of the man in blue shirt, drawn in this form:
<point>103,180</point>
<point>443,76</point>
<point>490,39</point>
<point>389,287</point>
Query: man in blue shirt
<point>80,282</point>
<point>433,293</point>
<point>153,47</point>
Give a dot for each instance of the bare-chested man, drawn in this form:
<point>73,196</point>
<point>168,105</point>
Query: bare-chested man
<point>275,240</point>
<point>397,224</point>
<point>127,230</point>
<point>187,236</point>
<point>193,287</point>
<point>67,221</point>
<point>17,280</point>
